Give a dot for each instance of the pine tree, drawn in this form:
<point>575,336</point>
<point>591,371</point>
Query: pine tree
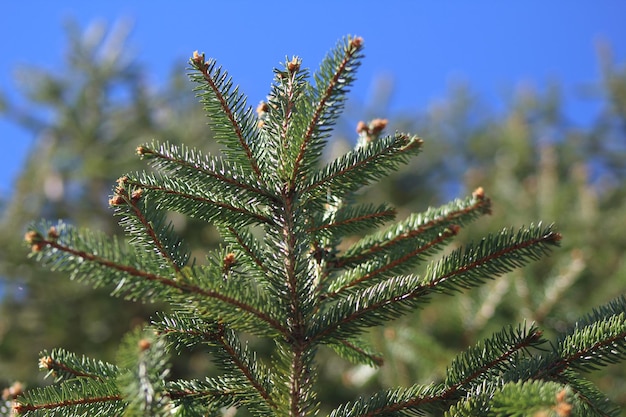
<point>303,265</point>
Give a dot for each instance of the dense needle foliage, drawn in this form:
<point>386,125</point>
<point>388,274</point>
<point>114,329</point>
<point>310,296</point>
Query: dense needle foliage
<point>304,265</point>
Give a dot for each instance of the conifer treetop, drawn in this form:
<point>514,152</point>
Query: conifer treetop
<point>302,264</point>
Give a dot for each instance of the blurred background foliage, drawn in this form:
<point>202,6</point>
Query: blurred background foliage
<point>533,162</point>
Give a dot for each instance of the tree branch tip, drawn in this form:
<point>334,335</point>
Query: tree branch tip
<point>356,42</point>
<point>479,193</point>
<point>144,344</point>
<point>554,237</point>
<point>33,237</point>
<point>199,60</point>
<point>46,362</point>
<point>294,64</point>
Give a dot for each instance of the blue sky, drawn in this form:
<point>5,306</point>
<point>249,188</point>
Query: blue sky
<point>425,45</point>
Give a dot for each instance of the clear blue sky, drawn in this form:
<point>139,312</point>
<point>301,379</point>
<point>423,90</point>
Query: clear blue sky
<point>425,45</point>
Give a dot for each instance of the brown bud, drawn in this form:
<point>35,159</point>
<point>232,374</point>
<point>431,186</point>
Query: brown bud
<point>33,237</point>
<point>479,193</point>
<point>116,200</point>
<point>262,108</point>
<point>144,344</point>
<point>377,126</point>
<point>46,362</point>
<point>37,247</point>
<point>390,334</point>
<point>53,233</point>
<point>454,229</point>
<point>563,408</point>
<point>356,42</point>
<point>120,189</point>
<point>554,236</point>
<point>198,58</point>
<point>229,261</point>
<point>136,195</point>
<point>294,64</point>
<point>361,127</point>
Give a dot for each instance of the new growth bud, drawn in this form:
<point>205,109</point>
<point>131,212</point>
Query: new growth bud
<point>121,195</point>
<point>136,195</point>
<point>262,108</point>
<point>53,233</point>
<point>356,42</point>
<point>229,261</point>
<point>479,193</point>
<point>144,344</point>
<point>369,132</point>
<point>46,362</point>
<point>377,126</point>
<point>116,200</point>
<point>198,60</point>
<point>31,237</point>
<point>454,229</point>
<point>261,111</point>
<point>294,64</point>
<point>35,240</point>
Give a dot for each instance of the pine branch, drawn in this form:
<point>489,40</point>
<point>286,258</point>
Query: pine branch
<point>356,351</point>
<point>146,363</point>
<point>491,357</point>
<point>596,341</point>
<point>190,164</point>
<point>595,345</point>
<point>240,303</point>
<point>464,268</point>
<point>519,399</point>
<point>82,396</point>
<point>92,258</point>
<point>332,82</point>
<point>295,279</point>
<point>284,114</point>
<point>233,126</point>
<point>351,220</point>
<point>492,256</point>
<point>418,400</point>
<point>148,227</point>
<point>404,245</point>
<point>240,364</point>
<point>208,397</point>
<point>458,213</point>
<point>290,272</point>
<point>592,401</point>
<point>362,166</point>
<point>252,249</point>
<point>201,203</point>
<point>406,256</point>
<point>64,365</point>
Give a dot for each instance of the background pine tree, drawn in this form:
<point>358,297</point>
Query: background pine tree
<point>391,337</point>
<point>87,121</point>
